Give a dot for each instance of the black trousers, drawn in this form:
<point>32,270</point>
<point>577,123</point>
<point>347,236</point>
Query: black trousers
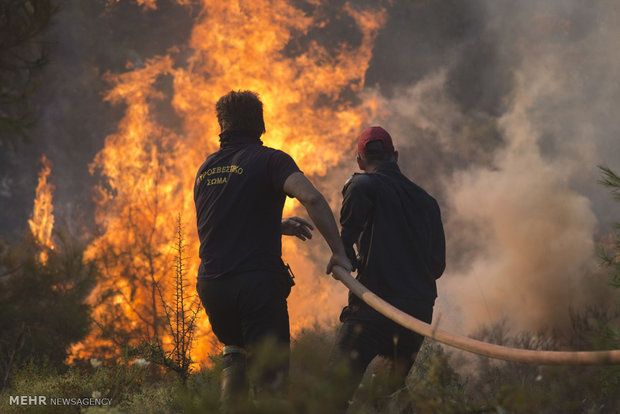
<point>246,308</point>
<point>366,334</point>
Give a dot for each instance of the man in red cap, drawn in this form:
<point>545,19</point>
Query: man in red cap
<point>396,227</point>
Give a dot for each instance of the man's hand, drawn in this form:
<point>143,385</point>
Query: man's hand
<point>338,260</point>
<point>352,257</point>
<point>298,227</point>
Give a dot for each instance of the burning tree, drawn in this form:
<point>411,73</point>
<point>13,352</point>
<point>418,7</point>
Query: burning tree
<point>43,287</point>
<point>133,251</point>
<point>41,222</point>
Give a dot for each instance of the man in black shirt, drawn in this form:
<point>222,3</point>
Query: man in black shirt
<point>239,194</point>
<point>396,227</point>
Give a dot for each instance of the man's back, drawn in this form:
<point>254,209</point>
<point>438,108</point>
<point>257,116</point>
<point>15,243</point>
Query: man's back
<point>239,200</point>
<point>398,230</point>
<point>243,285</point>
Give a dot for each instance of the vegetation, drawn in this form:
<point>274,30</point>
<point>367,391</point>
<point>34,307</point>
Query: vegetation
<point>611,180</point>
<point>432,387</point>
<point>41,305</point>
<point>22,55</point>
<point>180,317</point>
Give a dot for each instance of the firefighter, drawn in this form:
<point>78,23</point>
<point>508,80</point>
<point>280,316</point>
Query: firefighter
<point>243,284</point>
<point>397,230</point>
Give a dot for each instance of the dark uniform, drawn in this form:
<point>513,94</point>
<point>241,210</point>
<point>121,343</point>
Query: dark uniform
<point>242,281</point>
<point>397,229</point>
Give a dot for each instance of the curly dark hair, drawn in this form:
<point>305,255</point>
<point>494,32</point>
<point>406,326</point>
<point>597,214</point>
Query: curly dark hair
<point>241,111</point>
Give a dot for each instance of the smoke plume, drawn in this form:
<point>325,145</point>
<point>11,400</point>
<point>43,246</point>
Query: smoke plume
<point>510,146</point>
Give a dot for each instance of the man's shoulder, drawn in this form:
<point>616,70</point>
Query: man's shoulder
<point>358,178</point>
<point>358,181</point>
<point>278,159</point>
<point>249,151</point>
<point>273,151</point>
<point>211,158</point>
<point>415,188</point>
<point>204,164</point>
<point>422,196</point>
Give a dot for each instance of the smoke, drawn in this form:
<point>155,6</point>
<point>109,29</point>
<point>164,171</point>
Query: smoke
<point>535,255</point>
<point>509,144</point>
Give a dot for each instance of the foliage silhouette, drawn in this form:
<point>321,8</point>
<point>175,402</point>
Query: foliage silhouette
<point>42,309</point>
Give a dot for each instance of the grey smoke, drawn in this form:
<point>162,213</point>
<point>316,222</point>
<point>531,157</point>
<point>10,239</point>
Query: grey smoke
<point>517,179</point>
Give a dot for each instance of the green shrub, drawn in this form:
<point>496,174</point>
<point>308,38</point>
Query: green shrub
<point>42,309</point>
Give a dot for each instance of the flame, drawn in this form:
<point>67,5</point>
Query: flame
<point>42,219</point>
<point>147,170</point>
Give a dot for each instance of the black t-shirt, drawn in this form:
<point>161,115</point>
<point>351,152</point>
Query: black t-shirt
<point>239,200</point>
<point>397,228</point>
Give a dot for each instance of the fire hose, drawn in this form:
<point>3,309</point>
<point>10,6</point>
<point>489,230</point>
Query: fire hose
<point>611,357</point>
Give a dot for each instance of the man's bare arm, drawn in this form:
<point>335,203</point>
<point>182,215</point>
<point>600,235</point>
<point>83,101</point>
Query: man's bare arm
<point>299,187</point>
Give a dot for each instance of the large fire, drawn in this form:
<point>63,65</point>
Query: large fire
<point>42,220</point>
<point>147,169</point>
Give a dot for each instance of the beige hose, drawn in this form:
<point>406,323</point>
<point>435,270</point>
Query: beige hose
<point>472,345</point>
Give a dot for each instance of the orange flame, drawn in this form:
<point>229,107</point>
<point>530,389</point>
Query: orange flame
<point>148,170</point>
<point>42,219</point>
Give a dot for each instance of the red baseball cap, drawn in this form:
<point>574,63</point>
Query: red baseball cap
<point>374,133</point>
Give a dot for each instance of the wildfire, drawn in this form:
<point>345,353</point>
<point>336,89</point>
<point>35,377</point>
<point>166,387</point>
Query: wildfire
<point>42,220</point>
<point>147,170</point>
